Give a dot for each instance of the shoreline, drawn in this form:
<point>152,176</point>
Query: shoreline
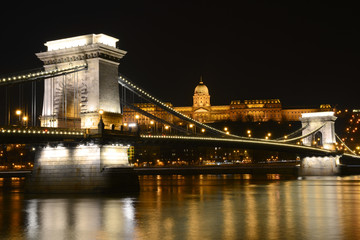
<point>256,169</point>
<point>194,170</point>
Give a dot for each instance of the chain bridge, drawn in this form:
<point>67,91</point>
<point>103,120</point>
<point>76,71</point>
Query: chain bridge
<point>83,137</point>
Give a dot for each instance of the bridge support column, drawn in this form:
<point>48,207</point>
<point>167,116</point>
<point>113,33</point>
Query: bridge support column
<point>82,169</point>
<point>320,166</point>
<point>325,138</point>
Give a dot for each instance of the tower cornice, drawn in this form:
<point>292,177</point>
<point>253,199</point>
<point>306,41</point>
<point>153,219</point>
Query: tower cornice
<point>97,50</point>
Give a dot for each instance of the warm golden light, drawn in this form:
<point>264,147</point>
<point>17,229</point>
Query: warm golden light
<point>18,112</point>
<point>25,118</point>
<point>101,112</point>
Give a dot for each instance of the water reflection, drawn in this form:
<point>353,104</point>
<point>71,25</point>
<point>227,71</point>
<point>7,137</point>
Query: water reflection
<point>79,218</point>
<point>193,207</point>
<point>238,207</point>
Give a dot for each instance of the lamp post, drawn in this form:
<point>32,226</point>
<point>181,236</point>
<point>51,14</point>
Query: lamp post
<point>18,113</point>
<point>25,120</point>
<point>151,125</point>
<point>248,133</point>
<point>191,126</point>
<point>101,124</point>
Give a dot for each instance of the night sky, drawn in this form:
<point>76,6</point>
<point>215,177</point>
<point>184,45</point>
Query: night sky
<point>301,53</point>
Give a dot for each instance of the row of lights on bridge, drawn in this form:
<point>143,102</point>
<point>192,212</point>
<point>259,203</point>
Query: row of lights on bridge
<point>42,73</point>
<point>33,131</point>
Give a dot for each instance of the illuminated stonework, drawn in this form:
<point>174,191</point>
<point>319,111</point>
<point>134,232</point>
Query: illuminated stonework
<point>86,168</point>
<point>71,100</point>
<point>325,137</point>
<point>320,166</point>
<point>81,41</point>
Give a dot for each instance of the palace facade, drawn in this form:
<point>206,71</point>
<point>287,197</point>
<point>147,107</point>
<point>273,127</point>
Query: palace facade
<point>259,110</point>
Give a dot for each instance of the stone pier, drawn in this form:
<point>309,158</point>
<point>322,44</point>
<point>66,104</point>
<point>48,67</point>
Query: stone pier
<point>91,168</point>
<point>320,166</point>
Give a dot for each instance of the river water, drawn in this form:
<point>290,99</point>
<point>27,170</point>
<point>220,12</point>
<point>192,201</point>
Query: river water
<point>235,206</point>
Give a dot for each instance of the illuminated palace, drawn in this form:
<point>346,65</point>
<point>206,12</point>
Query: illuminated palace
<point>260,110</point>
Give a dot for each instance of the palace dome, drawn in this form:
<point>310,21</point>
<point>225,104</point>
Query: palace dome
<point>201,89</point>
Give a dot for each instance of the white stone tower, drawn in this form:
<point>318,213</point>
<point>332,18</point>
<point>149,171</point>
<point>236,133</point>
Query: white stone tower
<point>74,100</point>
<point>325,137</point>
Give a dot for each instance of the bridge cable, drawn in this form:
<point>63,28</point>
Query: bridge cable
<point>345,144</point>
<point>304,136</point>
<point>149,115</point>
<point>143,94</point>
<point>41,75</point>
<point>293,133</point>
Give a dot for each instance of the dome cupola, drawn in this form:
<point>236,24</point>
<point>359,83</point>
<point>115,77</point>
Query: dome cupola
<point>201,88</point>
<point>201,96</point>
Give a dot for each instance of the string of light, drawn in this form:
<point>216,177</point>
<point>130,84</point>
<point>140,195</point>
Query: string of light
<point>41,74</point>
<point>5,131</point>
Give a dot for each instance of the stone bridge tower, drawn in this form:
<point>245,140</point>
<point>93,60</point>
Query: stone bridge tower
<point>74,100</point>
<point>325,136</point>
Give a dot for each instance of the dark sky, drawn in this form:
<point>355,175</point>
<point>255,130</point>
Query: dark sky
<point>303,53</point>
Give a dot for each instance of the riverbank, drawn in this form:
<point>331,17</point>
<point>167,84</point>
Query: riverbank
<point>193,170</point>
<point>285,168</point>
<point>238,169</point>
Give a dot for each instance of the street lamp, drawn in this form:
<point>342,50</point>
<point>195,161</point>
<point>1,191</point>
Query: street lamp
<point>101,112</point>
<point>191,126</point>
<point>101,124</point>
<point>18,113</point>
<point>25,120</point>
<point>151,125</point>
<point>248,133</point>
<point>268,136</point>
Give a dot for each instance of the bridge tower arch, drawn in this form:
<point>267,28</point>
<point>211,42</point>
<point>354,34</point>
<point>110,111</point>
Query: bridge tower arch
<point>325,123</point>
<point>74,100</point>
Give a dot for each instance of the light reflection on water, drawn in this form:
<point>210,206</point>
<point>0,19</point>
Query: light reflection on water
<point>192,207</point>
